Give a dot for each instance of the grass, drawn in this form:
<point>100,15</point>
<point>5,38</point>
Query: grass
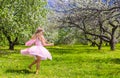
<point>74,61</point>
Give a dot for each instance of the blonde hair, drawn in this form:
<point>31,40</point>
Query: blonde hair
<point>37,33</point>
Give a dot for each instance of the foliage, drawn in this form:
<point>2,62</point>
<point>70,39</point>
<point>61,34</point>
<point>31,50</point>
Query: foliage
<point>97,20</point>
<point>76,61</point>
<point>20,18</point>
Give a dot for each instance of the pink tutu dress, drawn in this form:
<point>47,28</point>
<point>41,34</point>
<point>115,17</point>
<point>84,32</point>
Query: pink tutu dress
<point>37,49</point>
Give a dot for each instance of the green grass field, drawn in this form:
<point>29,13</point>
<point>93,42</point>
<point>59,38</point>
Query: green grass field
<point>75,61</point>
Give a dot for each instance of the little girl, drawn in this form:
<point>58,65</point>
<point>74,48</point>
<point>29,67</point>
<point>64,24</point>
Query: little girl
<point>37,50</point>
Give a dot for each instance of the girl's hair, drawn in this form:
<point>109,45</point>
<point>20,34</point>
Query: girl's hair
<point>37,33</point>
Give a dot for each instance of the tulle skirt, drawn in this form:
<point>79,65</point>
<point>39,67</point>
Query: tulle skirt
<point>37,51</point>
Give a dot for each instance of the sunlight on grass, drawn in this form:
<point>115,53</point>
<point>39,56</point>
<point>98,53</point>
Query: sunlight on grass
<point>73,61</point>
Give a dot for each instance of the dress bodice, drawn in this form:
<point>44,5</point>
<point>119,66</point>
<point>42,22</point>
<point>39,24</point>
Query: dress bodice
<point>38,42</point>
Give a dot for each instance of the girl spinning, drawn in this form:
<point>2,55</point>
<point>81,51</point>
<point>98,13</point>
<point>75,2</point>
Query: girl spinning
<point>37,50</point>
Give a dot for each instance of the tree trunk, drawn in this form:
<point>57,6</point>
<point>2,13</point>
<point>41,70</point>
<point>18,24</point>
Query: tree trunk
<point>106,44</point>
<point>12,43</point>
<point>100,44</point>
<point>112,47</point>
<point>99,47</point>
<point>93,44</point>
<point>112,41</point>
<point>11,46</point>
<point>112,44</point>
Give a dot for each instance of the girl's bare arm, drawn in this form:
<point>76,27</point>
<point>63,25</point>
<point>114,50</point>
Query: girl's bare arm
<point>44,42</point>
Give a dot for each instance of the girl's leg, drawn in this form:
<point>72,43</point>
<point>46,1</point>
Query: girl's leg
<point>34,62</point>
<point>38,64</point>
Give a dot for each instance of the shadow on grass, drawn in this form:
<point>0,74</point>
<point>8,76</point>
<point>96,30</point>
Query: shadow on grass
<point>21,71</point>
<point>73,51</point>
<point>8,52</point>
<point>62,51</point>
<point>116,60</point>
<point>57,50</point>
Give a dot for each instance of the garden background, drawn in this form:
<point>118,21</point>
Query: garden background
<point>86,35</point>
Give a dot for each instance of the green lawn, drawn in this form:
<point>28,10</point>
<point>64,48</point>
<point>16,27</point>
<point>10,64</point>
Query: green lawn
<point>75,61</point>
